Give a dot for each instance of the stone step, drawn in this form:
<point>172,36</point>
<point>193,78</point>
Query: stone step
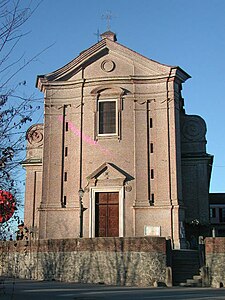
<point>186,269</point>
<point>197,277</point>
<point>185,265</point>
<point>191,283</point>
<point>193,271</point>
<point>185,284</point>
<point>185,252</point>
<point>186,260</point>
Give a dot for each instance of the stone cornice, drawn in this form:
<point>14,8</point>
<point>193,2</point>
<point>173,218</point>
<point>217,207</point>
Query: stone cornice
<point>31,162</point>
<point>152,79</point>
<point>197,157</point>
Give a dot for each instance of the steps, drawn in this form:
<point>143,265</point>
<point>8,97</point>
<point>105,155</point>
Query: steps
<point>195,282</point>
<point>185,265</point>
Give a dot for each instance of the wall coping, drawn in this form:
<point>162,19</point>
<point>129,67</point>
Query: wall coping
<point>128,244</point>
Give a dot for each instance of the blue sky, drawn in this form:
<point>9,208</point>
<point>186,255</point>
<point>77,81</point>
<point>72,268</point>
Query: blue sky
<point>187,33</point>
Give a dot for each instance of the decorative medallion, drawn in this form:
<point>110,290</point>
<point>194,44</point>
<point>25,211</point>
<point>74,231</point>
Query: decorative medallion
<point>194,128</point>
<point>35,135</point>
<point>128,188</point>
<point>108,65</point>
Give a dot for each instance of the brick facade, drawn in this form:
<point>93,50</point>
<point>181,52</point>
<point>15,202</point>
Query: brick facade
<point>155,160</point>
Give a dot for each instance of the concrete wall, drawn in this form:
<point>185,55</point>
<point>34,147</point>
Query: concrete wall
<point>215,260</point>
<point>120,261</point>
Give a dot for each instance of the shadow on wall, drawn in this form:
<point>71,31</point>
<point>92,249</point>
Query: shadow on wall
<point>117,261</point>
<point>103,260</point>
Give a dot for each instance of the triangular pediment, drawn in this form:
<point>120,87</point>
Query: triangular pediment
<point>108,50</point>
<point>107,172</point>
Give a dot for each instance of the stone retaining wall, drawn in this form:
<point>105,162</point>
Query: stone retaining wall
<point>215,260</point>
<point>120,261</point>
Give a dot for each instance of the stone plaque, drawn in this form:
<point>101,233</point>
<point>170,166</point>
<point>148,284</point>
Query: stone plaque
<point>152,230</point>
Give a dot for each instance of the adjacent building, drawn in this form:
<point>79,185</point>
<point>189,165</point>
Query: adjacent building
<point>217,213</point>
<point>117,155</point>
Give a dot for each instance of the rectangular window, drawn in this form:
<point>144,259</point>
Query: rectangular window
<point>222,215</point>
<point>64,200</point>
<point>107,117</point>
<point>152,199</point>
<point>66,151</point>
<point>151,147</point>
<point>151,123</point>
<point>67,126</point>
<point>152,173</point>
<point>65,176</point>
<point>212,212</point>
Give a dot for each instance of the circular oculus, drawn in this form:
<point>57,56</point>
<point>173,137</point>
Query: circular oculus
<point>108,65</point>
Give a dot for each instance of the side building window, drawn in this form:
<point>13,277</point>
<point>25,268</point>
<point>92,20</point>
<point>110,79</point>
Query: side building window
<point>212,212</point>
<point>107,117</point>
<point>222,215</point>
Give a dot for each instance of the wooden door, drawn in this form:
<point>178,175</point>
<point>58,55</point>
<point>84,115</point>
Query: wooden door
<point>107,214</point>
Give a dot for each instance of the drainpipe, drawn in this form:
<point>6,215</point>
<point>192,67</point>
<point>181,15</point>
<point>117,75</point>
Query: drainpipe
<point>34,199</point>
<point>63,154</point>
<point>148,150</point>
<point>81,192</point>
<point>169,162</point>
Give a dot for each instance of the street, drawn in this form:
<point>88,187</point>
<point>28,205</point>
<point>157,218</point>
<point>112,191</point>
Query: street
<point>35,290</point>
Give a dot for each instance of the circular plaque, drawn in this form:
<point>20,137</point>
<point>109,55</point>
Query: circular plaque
<point>35,135</point>
<point>194,128</point>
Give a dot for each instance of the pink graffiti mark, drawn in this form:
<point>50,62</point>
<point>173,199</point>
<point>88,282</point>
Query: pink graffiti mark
<point>87,139</point>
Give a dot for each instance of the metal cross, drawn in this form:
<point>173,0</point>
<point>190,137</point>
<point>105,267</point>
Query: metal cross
<point>108,18</point>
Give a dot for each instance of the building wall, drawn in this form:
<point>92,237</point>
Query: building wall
<point>150,161</point>
<point>33,165</point>
<point>128,261</point>
<point>217,213</point>
<point>196,171</point>
<point>129,151</point>
<point>215,260</point>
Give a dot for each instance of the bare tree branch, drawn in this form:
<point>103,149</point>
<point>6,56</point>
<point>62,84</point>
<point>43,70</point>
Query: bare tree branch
<point>16,109</point>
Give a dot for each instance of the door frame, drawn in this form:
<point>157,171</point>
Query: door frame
<point>93,191</point>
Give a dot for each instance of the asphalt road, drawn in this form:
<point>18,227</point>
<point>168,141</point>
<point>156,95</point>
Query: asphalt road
<point>39,290</point>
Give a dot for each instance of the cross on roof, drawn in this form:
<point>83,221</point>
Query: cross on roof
<point>108,17</point>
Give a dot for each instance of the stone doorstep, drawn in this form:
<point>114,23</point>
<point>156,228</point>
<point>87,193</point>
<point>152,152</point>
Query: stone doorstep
<point>195,282</point>
<point>197,277</point>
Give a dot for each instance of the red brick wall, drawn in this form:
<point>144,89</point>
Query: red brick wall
<point>133,244</point>
<point>215,245</point>
<point>215,261</point>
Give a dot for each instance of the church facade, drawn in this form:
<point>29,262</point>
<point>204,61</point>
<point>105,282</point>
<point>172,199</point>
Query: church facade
<point>117,155</point>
